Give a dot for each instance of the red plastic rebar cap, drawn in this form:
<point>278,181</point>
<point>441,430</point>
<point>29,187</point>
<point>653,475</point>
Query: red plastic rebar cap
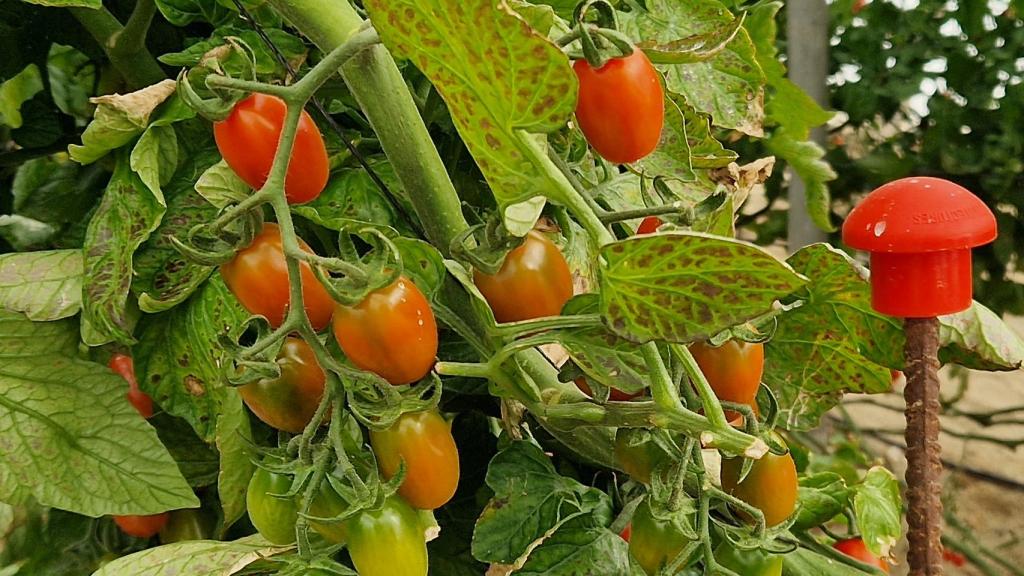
<point>920,232</point>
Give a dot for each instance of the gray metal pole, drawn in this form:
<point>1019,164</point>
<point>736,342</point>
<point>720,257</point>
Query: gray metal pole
<point>807,30</point>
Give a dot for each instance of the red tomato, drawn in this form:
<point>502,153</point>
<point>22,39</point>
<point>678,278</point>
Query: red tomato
<point>289,401</point>
<point>649,225</point>
<point>733,369</point>
<point>248,139</point>
<point>856,549</point>
<point>614,394</point>
<point>391,333</point>
<point>621,107</point>
<point>627,532</point>
<point>534,281</point>
<point>954,558</point>
<point>770,486</point>
<point>125,367</point>
<point>423,440</point>
<point>141,526</point>
<point>258,277</point>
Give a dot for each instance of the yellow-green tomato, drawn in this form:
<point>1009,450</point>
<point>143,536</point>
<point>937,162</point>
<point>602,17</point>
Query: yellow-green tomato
<point>328,504</point>
<point>274,516</point>
<point>389,541</point>
<point>748,562</point>
<point>423,440</point>
<point>654,542</point>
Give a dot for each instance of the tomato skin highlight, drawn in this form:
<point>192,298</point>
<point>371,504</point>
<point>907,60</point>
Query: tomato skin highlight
<point>749,562</point>
<point>125,367</point>
<point>141,526</point>
<point>733,369</point>
<point>649,225</point>
<point>534,281</point>
<point>614,394</point>
<point>391,333</point>
<point>770,486</point>
<point>423,440</point>
<point>856,548</point>
<point>654,542</point>
<point>388,542</point>
<point>248,140</point>
<point>289,401</point>
<point>621,107</point>
<point>274,517</point>
<point>258,277</point>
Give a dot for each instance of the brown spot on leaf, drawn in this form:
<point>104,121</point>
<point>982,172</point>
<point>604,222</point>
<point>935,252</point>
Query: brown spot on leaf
<point>194,386</point>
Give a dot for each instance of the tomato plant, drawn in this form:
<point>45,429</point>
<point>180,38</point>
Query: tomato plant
<point>289,401</point>
<point>614,394</point>
<point>770,485</point>
<point>142,526</point>
<point>621,107</point>
<point>271,509</point>
<point>392,332</point>
<point>248,140</point>
<point>748,562</point>
<point>123,365</point>
<point>855,548</point>
<point>533,281</point>
<point>258,276</point>
<point>423,442</point>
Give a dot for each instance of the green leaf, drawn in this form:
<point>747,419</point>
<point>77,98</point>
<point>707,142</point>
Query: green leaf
<point>221,187</point>
<point>118,120</point>
<point>236,64</point>
<point>70,438</point>
<point>730,85</point>
<point>177,360</point>
<point>789,106</point>
<point>195,558</point>
<point>126,217</point>
<point>91,4</point>
<point>163,276</point>
<point>978,339</point>
<point>155,158</point>
<point>686,286</point>
<point>568,552</point>
<point>497,76</point>
<point>600,354</point>
<point>835,342</point>
<point>16,91</point>
<point>20,337</point>
<point>805,157</point>
<point>72,79</point>
<point>696,48</point>
<point>56,190</point>
<point>823,496</point>
<point>234,440</point>
<point>879,509</point>
<point>671,159</point>
<point>42,285</point>
<point>531,501</point>
<point>182,12</point>
<point>25,233</point>
<point>705,150</point>
<point>803,562</point>
<point>423,264</point>
<point>351,195</point>
<point>198,461</point>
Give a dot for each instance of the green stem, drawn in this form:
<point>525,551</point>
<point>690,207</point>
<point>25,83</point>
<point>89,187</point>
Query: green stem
<point>518,329</point>
<point>633,214</point>
<point>131,59</point>
<point>242,85</point>
<point>712,407</point>
<point>663,389</point>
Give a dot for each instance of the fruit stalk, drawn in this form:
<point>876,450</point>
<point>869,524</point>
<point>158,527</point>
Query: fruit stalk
<point>924,467</point>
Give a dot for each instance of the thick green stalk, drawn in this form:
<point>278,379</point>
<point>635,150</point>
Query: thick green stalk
<point>124,46</point>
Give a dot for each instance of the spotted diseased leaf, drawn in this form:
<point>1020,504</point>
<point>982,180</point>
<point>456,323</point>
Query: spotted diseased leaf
<point>705,150</point>
<point>42,285</point>
<point>671,159</point>
<point>195,557</point>
<point>730,85</point>
<point>69,437</point>
<point>686,286</point>
<point>126,216</point>
<point>497,75</point>
<point>978,339</point>
<point>696,48</point>
<point>833,343</point>
<point>178,362</point>
<point>163,276</point>
<point>606,358</point>
<point>351,195</point>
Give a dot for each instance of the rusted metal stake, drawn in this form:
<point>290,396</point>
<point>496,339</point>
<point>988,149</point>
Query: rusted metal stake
<point>924,466</point>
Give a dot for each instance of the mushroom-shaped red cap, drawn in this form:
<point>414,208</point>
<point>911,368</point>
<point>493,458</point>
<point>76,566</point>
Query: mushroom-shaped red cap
<point>920,232</point>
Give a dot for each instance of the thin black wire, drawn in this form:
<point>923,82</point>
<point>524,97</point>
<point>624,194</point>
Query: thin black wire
<point>316,101</point>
